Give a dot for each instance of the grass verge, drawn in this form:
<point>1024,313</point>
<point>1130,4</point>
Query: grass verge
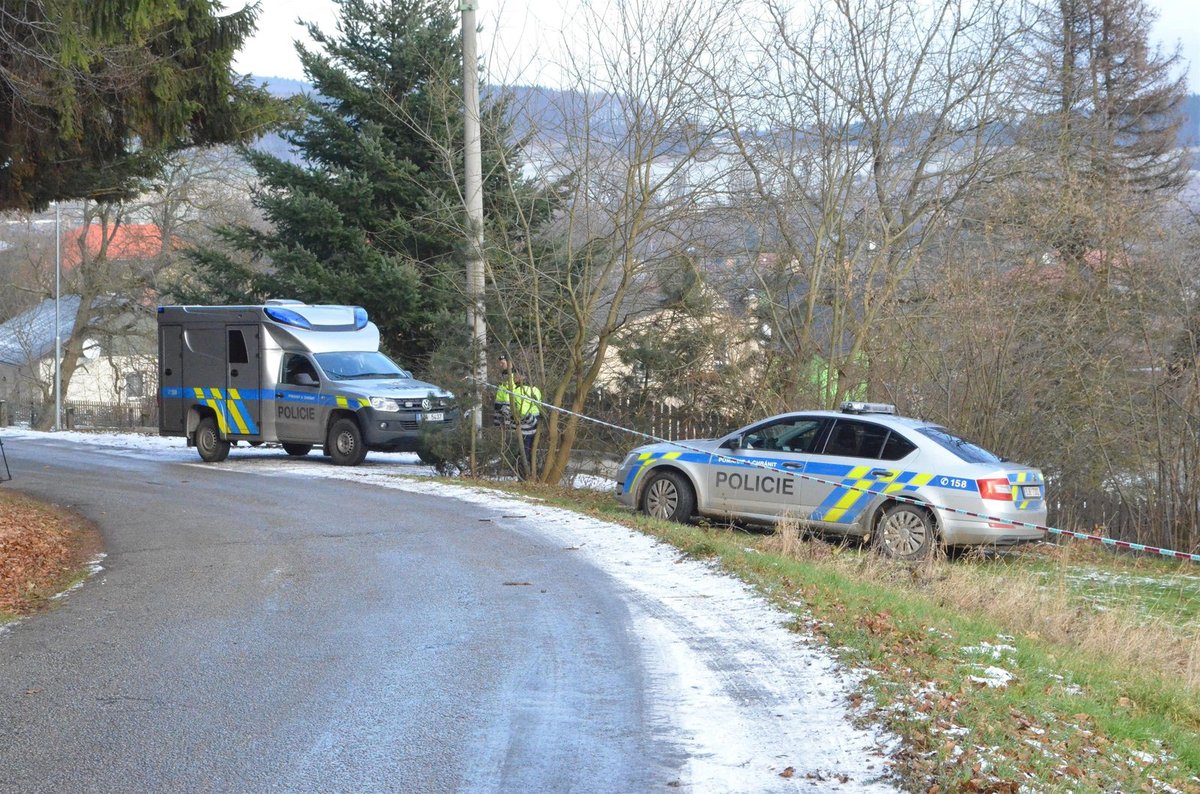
<point>1001,673</point>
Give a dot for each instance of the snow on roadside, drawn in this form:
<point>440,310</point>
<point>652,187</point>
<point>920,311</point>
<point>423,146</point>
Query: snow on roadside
<point>749,698</point>
<point>755,706</point>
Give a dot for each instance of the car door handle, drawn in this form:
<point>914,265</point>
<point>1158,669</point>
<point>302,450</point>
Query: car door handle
<point>882,473</point>
<point>793,465</point>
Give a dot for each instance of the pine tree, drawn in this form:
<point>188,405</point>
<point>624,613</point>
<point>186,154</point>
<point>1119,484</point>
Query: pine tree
<point>1102,128</point>
<point>95,93</point>
<point>372,216</point>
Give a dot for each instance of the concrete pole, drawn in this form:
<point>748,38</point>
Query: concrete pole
<point>57,319</point>
<point>473,174</point>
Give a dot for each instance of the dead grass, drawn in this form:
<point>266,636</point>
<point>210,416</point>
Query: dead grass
<point>1037,607</point>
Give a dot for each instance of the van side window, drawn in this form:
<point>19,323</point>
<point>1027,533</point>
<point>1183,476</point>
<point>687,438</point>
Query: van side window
<point>237,348</point>
<point>295,364</point>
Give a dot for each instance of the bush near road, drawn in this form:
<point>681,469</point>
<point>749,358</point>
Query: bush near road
<point>43,549</point>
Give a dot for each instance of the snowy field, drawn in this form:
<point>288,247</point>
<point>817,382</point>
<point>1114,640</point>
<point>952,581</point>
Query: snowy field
<point>757,707</point>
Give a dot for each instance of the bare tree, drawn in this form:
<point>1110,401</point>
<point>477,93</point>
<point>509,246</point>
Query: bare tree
<point>865,126</point>
<point>613,193</point>
<point>118,257</point>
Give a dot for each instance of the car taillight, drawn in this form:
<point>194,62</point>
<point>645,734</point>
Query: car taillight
<point>998,488</point>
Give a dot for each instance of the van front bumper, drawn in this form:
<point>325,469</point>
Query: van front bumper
<point>388,431</point>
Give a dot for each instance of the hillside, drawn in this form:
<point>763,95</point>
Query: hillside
<point>533,107</point>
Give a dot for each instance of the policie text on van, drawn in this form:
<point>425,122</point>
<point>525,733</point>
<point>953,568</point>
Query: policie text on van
<point>304,376</point>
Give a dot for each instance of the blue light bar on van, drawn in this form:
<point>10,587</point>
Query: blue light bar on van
<point>287,317</point>
<point>360,318</point>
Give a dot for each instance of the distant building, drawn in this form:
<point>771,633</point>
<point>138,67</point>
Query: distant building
<point>27,350</point>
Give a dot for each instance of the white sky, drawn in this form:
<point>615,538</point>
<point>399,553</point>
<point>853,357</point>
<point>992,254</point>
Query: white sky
<point>515,30</point>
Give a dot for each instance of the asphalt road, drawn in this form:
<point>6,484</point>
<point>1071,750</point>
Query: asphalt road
<point>253,633</point>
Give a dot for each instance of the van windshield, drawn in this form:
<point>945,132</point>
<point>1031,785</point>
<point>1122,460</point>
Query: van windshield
<point>364,365</point>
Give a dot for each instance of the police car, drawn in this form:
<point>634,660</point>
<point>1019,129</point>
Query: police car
<point>841,472</point>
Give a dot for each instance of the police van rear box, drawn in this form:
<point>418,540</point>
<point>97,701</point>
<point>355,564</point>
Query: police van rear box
<point>302,376</point>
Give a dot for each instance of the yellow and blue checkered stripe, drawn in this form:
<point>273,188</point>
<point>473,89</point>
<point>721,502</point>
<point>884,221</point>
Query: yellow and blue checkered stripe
<point>857,488</point>
<point>234,418</point>
<point>845,503</point>
<point>1018,480</point>
<point>646,458</point>
<point>229,405</point>
<point>311,398</point>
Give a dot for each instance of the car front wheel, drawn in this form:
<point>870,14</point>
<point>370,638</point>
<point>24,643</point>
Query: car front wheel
<point>345,443</point>
<point>906,532</point>
<point>668,495</point>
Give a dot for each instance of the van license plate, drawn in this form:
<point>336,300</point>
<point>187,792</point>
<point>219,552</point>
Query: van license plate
<point>438,417</point>
<point>1031,491</point>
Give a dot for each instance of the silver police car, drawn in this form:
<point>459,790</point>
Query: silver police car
<point>840,472</point>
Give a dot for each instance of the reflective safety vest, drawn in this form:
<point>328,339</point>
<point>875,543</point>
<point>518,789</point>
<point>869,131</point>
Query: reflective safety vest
<point>522,405</point>
<point>506,385</point>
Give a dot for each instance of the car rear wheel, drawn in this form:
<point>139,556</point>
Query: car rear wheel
<point>297,450</point>
<point>906,532</point>
<point>210,445</point>
<point>668,495</point>
<point>345,443</point>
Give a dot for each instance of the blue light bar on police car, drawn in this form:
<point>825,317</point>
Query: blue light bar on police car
<point>855,407</point>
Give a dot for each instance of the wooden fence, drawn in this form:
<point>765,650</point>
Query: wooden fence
<point>661,420</point>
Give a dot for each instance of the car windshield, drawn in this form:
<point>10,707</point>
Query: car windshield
<point>360,365</point>
<point>969,452</point>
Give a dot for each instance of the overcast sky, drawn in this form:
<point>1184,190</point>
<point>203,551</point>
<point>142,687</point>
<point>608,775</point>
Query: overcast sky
<point>512,33</point>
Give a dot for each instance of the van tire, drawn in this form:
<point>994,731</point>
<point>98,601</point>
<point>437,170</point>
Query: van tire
<point>906,532</point>
<point>296,450</point>
<point>345,443</point>
<point>210,445</point>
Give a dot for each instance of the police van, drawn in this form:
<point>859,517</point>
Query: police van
<point>303,376</point>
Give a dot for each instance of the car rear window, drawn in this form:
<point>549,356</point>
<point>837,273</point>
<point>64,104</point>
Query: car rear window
<point>971,453</point>
<point>897,447</point>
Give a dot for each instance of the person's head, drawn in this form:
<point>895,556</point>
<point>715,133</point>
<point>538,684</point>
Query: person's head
<point>518,375</point>
<point>503,362</point>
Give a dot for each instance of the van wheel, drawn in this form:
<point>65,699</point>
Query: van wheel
<point>905,532</point>
<point>345,443</point>
<point>210,445</point>
<point>669,495</point>
<point>297,450</point>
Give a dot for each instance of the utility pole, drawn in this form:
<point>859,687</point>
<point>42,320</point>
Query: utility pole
<point>473,173</point>
<point>57,320</point>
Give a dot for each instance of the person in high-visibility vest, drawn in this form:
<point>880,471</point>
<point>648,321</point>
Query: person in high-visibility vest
<point>501,409</point>
<point>526,413</point>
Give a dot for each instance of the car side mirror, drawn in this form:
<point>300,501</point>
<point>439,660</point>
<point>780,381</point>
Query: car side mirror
<point>732,443</point>
<point>304,379</point>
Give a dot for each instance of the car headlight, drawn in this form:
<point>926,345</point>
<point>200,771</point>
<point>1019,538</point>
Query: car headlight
<point>385,404</point>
